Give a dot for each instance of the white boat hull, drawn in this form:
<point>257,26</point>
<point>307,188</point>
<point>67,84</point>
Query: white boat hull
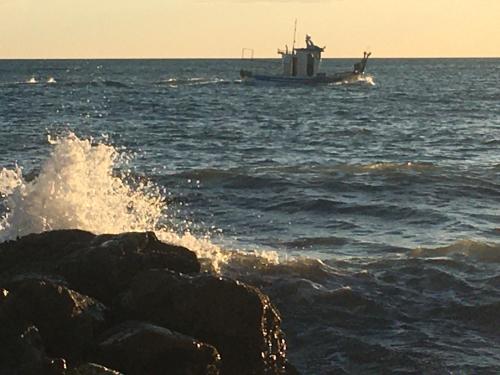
<point>248,76</point>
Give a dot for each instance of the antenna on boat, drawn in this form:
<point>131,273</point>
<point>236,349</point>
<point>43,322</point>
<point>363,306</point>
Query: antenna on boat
<point>294,35</point>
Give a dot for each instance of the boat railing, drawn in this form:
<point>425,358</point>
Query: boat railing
<point>250,63</point>
<point>245,52</point>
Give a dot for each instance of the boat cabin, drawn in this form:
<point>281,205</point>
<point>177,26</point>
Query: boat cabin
<point>302,62</point>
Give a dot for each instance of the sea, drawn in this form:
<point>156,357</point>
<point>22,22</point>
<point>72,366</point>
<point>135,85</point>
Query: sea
<point>368,211</point>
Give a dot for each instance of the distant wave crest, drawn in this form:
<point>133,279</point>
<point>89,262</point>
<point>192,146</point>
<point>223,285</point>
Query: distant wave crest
<point>483,251</point>
<point>193,81</point>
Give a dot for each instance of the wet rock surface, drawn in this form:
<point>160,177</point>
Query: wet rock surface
<point>72,302</point>
<point>101,266</point>
<point>143,348</point>
<point>237,318</point>
<point>66,319</point>
<point>92,369</point>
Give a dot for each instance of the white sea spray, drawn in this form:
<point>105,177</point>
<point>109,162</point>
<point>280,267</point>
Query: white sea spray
<point>77,188</point>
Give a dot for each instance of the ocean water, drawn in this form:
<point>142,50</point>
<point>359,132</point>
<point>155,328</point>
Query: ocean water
<point>368,211</point>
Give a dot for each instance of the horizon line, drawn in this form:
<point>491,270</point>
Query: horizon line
<point>239,58</point>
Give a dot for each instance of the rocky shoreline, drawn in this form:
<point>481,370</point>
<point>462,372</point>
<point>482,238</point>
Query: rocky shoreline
<point>76,303</point>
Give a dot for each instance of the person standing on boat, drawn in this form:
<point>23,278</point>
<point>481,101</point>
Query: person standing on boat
<point>309,42</point>
<point>360,66</point>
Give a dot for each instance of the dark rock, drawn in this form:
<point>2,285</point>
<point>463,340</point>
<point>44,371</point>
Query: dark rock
<point>92,369</point>
<point>100,266</point>
<point>40,252</point>
<point>21,350</point>
<point>46,311</point>
<point>56,366</point>
<point>107,266</point>
<point>138,348</point>
<point>237,319</point>
<point>291,369</point>
<point>3,296</point>
<point>67,320</point>
<point>15,281</point>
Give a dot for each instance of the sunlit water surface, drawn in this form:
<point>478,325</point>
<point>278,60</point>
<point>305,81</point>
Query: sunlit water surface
<point>369,212</point>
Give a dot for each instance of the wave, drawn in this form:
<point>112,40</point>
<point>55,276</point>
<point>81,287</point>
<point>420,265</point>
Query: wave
<point>364,80</point>
<point>492,142</point>
<point>328,206</point>
<point>99,83</point>
<point>373,316</point>
<point>372,168</point>
<point>32,81</point>
<point>50,80</point>
<point>484,315</point>
<point>194,81</point>
<point>77,187</point>
<point>482,251</point>
<point>386,167</point>
<point>301,180</point>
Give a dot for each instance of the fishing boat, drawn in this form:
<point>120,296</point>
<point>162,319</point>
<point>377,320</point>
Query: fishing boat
<point>301,65</point>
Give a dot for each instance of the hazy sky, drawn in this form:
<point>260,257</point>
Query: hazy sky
<point>220,28</point>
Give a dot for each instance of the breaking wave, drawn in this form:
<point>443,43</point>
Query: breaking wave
<point>78,187</point>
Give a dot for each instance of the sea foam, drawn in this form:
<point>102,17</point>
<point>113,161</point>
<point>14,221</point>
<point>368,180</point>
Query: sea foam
<point>78,187</point>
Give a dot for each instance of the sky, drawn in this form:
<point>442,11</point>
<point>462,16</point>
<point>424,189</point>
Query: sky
<point>221,28</point>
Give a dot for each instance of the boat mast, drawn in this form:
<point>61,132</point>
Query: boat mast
<point>294,36</point>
